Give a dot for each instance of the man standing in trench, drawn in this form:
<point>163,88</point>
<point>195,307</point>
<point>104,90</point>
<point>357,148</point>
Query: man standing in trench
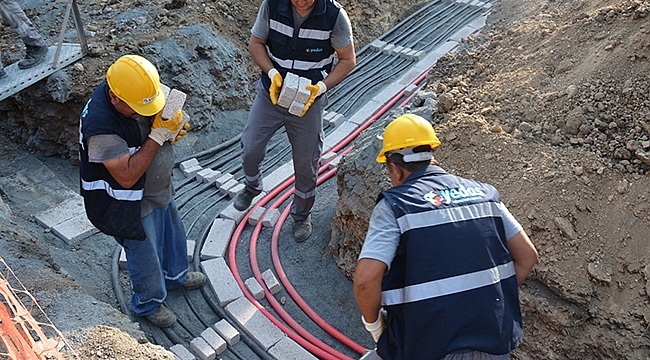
<point>301,37</point>
<point>438,274</point>
<point>126,171</point>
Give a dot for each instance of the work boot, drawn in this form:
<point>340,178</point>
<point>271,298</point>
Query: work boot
<point>194,280</point>
<point>302,229</point>
<point>34,56</point>
<point>243,200</point>
<point>3,73</point>
<point>162,318</point>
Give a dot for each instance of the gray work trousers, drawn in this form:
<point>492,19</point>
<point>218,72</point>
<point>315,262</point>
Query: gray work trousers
<point>15,17</point>
<point>305,135</point>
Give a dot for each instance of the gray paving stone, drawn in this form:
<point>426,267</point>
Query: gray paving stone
<point>271,281</point>
<point>211,177</point>
<point>303,94</point>
<point>231,213</point>
<point>189,172</point>
<point>203,173</point>
<point>255,288</point>
<point>227,186</point>
<point>334,163</point>
<point>233,191</point>
<point>278,175</point>
<point>363,114</point>
<point>202,349</point>
<point>227,331</point>
<point>377,45</point>
<point>224,178</point>
<point>338,135</point>
<point>181,352</point>
<point>61,212</point>
<point>256,324</point>
<point>188,164</point>
<point>214,340</point>
<point>256,215</point>
<point>296,108</point>
<point>410,90</point>
<point>218,238</point>
<point>287,349</point>
<point>271,218</point>
<point>289,89</point>
<point>74,229</point>
<point>388,48</point>
<point>221,280</point>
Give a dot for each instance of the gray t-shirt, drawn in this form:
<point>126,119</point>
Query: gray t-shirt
<point>158,189</point>
<point>383,234</point>
<point>341,34</point>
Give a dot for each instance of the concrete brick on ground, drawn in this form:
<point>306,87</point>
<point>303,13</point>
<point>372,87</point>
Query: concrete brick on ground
<point>256,215</point>
<point>255,288</point>
<point>221,280</point>
<point>271,281</point>
<point>189,172</point>
<point>334,163</point>
<point>338,119</point>
<point>214,340</point>
<point>227,331</point>
<point>233,191</point>
<point>364,113</point>
<point>278,175</point>
<point>271,218</point>
<point>328,156</point>
<point>211,177</point>
<point>61,212</point>
<point>410,90</point>
<point>202,349</point>
<point>387,49</point>
<point>231,213</point>
<point>227,186</point>
<point>74,229</point>
<point>287,349</point>
<point>181,352</point>
<point>338,135</point>
<point>218,238</point>
<point>377,45</point>
<point>188,164</point>
<point>201,174</point>
<point>265,333</point>
<point>223,179</point>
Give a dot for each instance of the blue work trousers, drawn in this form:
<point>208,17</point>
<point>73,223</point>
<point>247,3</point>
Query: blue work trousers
<point>159,262</point>
<point>305,135</point>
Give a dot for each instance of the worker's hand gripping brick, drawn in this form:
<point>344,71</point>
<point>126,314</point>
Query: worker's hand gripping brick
<point>166,130</point>
<point>316,91</point>
<point>168,117</point>
<point>276,85</point>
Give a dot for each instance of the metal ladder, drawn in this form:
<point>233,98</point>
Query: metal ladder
<point>58,56</point>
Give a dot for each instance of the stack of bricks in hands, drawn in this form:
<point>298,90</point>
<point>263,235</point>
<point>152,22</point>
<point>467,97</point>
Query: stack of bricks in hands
<point>174,101</point>
<point>294,94</point>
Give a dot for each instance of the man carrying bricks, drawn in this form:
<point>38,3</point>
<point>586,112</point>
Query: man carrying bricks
<point>126,168</point>
<point>298,37</point>
<point>440,267</point>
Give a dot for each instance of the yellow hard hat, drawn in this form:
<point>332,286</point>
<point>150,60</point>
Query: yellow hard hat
<point>135,80</point>
<point>407,131</point>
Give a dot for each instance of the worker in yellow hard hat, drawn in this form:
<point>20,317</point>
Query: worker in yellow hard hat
<point>126,165</point>
<point>438,273</point>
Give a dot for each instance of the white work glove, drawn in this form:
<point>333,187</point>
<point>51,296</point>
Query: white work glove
<point>166,130</point>
<point>376,328</point>
<point>316,91</point>
<point>276,85</point>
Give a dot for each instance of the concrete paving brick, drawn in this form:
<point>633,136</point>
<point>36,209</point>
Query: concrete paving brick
<point>338,135</point>
<point>188,164</point>
<point>211,177</point>
<point>377,45</point>
<point>224,178</point>
<point>363,114</point>
<point>271,218</point>
<point>233,191</point>
<point>227,331</point>
<point>181,352</point>
<point>224,188</point>
<point>231,213</point>
<point>328,156</point>
<point>338,119</point>
<point>61,212</point>
<point>189,172</point>
<point>255,288</point>
<point>404,54</point>
<point>278,175</point>
<point>191,245</point>
<point>411,54</point>
<point>214,340</point>
<point>370,355</point>
<point>202,173</point>
<point>221,280</point>
<point>397,50</point>
<point>334,163</point>
<point>303,94</point>
<point>74,229</point>
<point>218,238</point>
<point>296,108</point>
<point>388,48</point>
<point>256,324</point>
<point>289,89</point>
<point>410,90</point>
<point>256,215</point>
<point>287,349</point>
<point>271,281</point>
<point>329,115</point>
<point>202,349</point>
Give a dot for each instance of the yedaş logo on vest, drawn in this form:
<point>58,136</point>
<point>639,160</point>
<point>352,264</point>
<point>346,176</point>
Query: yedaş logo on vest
<point>457,195</point>
<point>314,50</point>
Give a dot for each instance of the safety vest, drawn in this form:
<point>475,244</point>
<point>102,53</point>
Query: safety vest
<point>452,285</point>
<point>308,54</point>
<point>113,209</point>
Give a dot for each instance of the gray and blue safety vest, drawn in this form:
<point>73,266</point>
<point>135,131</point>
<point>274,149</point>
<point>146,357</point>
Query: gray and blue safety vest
<point>452,285</point>
<point>113,209</point>
<point>306,51</point>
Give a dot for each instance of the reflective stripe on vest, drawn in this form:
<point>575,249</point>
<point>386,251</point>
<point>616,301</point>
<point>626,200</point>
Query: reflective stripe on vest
<point>124,195</point>
<point>448,286</point>
<point>449,215</point>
